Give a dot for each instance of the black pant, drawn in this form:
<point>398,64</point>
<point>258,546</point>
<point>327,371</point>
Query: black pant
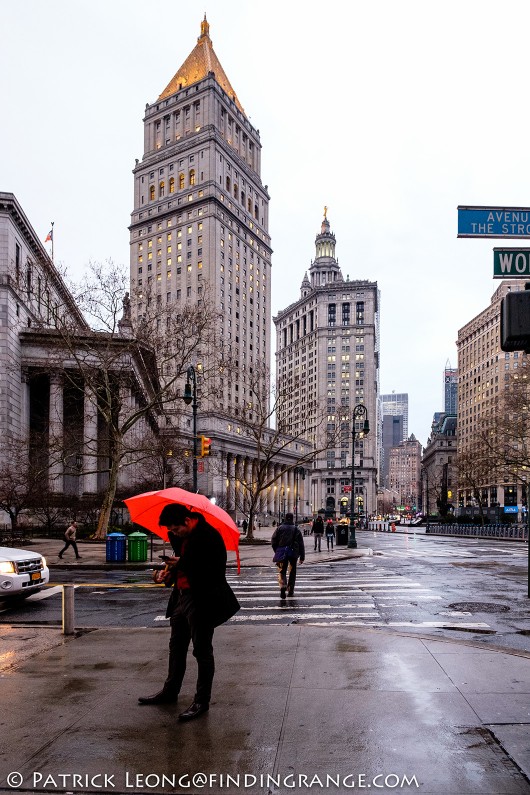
<point>187,624</point>
<point>69,544</point>
<point>288,563</point>
<point>318,541</point>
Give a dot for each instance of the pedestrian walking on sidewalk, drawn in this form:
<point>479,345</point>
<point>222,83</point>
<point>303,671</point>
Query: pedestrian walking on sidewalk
<point>289,536</point>
<point>69,537</point>
<point>318,531</point>
<point>200,600</point>
<point>330,533</point>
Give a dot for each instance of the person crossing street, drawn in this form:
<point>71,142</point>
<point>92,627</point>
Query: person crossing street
<point>330,533</point>
<point>288,537</point>
<point>318,531</point>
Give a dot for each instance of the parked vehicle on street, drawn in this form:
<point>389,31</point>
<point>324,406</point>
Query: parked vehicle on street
<point>21,572</point>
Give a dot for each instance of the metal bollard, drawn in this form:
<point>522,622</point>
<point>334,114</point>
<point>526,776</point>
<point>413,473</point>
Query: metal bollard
<point>68,610</point>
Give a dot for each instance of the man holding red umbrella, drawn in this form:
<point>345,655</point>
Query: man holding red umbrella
<point>200,600</point>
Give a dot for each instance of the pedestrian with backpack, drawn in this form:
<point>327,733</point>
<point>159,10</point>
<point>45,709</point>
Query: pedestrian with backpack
<point>288,545</point>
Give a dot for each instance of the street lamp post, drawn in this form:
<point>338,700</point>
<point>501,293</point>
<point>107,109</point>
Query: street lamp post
<point>359,411</point>
<point>298,472</point>
<point>190,396</point>
<point>425,474</point>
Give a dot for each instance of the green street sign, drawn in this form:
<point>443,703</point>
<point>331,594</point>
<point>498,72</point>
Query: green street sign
<point>511,263</point>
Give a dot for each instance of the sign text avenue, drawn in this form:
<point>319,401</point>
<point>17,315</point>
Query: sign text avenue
<point>493,221</point>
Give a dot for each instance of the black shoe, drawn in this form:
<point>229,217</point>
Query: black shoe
<point>290,592</point>
<point>282,593</point>
<point>162,697</point>
<point>194,711</point>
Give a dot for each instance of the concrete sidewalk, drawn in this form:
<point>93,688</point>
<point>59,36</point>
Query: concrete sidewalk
<point>346,708</point>
<point>93,555</point>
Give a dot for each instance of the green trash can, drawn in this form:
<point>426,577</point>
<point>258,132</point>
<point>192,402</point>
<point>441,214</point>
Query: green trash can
<point>137,547</point>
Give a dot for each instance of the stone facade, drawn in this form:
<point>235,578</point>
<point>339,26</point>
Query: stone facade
<point>483,374</point>
<point>49,416</point>
<point>199,230</point>
<point>404,472</point>
<point>439,472</point>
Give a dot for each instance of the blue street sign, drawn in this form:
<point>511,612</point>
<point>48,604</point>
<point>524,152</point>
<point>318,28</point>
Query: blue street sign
<point>511,509</point>
<point>493,221</point>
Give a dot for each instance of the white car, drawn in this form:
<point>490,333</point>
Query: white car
<point>21,572</point>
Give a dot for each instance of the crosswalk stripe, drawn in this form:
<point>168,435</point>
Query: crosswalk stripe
<point>284,615</point>
<point>310,607</point>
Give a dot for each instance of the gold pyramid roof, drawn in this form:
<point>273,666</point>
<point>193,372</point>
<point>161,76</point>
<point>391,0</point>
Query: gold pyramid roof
<point>201,60</point>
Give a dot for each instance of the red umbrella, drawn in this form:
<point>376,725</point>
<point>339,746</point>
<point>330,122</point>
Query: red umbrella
<point>145,510</point>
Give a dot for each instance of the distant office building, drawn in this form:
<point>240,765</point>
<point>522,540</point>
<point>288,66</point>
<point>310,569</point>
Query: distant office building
<point>396,404</point>
<point>439,471</point>
<point>450,389</point>
<point>392,435</point>
<point>484,374</point>
<point>328,355</point>
<point>404,472</point>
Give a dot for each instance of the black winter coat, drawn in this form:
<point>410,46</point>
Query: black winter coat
<point>204,564</point>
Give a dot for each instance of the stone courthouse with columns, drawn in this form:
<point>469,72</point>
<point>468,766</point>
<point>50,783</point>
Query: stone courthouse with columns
<point>49,413</point>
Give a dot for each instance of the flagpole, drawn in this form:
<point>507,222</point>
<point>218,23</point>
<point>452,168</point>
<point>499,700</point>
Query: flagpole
<point>52,240</point>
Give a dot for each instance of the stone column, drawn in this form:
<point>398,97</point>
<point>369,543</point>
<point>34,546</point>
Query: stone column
<point>24,407</point>
<point>290,492</point>
<point>90,442</point>
<point>55,433</point>
<point>231,477</point>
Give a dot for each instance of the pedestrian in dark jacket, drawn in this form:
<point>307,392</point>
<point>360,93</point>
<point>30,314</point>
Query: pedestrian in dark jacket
<point>318,531</point>
<point>330,533</point>
<point>200,600</point>
<point>69,541</point>
<point>288,535</point>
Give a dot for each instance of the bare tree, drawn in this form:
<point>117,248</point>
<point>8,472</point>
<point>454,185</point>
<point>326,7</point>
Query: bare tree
<point>262,425</point>
<point>474,468</point>
<point>19,480</point>
<point>145,355</point>
<point>506,432</point>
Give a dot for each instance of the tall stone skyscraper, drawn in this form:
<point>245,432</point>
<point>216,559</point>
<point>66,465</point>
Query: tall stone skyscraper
<point>199,226</point>
<point>450,388</point>
<point>328,357</point>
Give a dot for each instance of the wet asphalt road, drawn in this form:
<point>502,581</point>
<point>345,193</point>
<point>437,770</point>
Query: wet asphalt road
<point>467,589</point>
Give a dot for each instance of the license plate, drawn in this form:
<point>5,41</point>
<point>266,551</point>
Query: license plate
<point>35,576</point>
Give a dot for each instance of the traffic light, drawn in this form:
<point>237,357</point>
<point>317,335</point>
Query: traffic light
<point>205,446</point>
<point>515,321</point>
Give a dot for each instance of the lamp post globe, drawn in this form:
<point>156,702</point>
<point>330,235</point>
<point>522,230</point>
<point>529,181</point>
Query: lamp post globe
<point>358,412</point>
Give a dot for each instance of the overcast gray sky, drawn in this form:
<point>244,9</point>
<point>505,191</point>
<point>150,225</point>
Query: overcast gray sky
<point>390,113</point>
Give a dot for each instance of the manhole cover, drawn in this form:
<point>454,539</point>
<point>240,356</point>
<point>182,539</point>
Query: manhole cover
<point>479,607</point>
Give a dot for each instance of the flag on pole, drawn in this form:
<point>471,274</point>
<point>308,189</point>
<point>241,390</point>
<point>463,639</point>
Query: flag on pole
<point>49,236</point>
